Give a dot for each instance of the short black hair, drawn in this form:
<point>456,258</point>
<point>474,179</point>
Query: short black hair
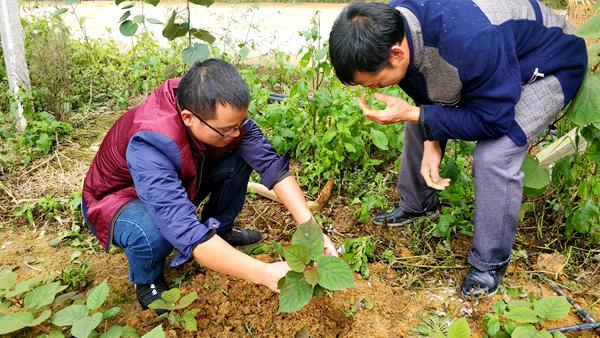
<point>362,37</point>
<point>209,83</point>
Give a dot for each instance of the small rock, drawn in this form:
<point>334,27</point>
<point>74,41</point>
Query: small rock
<point>303,333</point>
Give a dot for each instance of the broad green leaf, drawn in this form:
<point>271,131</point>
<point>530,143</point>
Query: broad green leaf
<point>334,273</point>
<point>55,334</point>
<point>160,304</point>
<point>297,257</point>
<point>492,326</point>
<point>156,332</point>
<point>186,300</point>
<point>154,21</point>
<point>110,313</point>
<point>459,329</point>
<point>205,3</point>
<point>519,303</point>
<point>84,326</point>
<point>113,332</point>
<point>125,16</point>
<point>522,315</point>
<point>585,108</point>
<point>128,28</point>
<point>197,52</point>
<point>152,2</point>
<point>41,318</point>
<point>552,308</point>
<point>310,235</point>
<point>174,30</point>
<point>312,276</point>
<point>69,315</point>
<point>350,147</point>
<point>295,293</point>
<point>202,34</point>
<point>590,28</point>
<point>97,296</point>
<point>60,11</point>
<point>7,280</point>
<point>4,306</point>
<point>189,320</point>
<point>524,331</point>
<point>379,139</point>
<point>42,295</point>
<point>15,321</point>
<point>278,249</point>
<point>171,296</point>
<point>536,177</point>
<point>584,215</point>
<point>138,19</point>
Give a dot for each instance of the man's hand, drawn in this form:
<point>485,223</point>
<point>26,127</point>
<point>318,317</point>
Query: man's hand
<point>430,166</point>
<point>272,273</point>
<point>396,110</point>
<point>329,247</point>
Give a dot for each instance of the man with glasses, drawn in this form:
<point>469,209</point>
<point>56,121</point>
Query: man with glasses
<point>191,138</point>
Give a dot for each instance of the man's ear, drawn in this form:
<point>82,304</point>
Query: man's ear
<point>187,117</point>
<point>397,52</point>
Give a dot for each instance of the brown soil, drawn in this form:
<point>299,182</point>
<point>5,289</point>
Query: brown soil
<point>422,281</point>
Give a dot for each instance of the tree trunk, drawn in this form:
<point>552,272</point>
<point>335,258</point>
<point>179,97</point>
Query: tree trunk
<point>11,34</point>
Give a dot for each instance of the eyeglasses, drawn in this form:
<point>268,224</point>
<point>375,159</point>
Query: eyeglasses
<point>226,132</point>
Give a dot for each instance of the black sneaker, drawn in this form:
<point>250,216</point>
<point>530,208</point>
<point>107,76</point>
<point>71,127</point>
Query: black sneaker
<point>241,238</point>
<point>478,284</point>
<point>148,293</point>
<point>398,217</point>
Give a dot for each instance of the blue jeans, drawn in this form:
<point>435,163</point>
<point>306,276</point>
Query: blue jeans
<point>225,180</point>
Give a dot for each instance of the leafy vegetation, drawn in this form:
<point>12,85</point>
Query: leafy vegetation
<point>525,318</point>
<point>312,272</point>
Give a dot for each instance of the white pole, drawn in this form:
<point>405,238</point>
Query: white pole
<point>11,34</point>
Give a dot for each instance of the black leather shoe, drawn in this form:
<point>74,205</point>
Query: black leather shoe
<point>148,293</point>
<point>240,237</point>
<point>478,284</point>
<point>398,217</point>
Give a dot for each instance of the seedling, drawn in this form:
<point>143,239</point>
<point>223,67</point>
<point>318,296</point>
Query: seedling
<point>358,252</point>
<point>524,318</point>
<point>312,272</point>
<point>171,301</point>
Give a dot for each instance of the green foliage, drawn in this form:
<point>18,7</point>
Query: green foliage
<point>365,302</point>
<point>357,253</point>
<point>43,209</point>
<point>517,318</point>
<point>434,326</point>
<point>311,270</point>
<point>38,300</point>
<point>172,301</point>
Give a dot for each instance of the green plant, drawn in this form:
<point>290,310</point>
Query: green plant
<point>525,318</point>
<point>44,208</point>
<point>433,326</point>
<point>171,301</point>
<point>312,272</point>
<point>357,253</point>
<point>365,302</point>
<point>76,275</point>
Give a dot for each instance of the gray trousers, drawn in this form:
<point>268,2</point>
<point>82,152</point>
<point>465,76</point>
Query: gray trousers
<point>498,193</point>
<point>496,169</point>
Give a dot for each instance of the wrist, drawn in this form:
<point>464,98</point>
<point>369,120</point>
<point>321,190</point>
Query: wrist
<point>263,274</point>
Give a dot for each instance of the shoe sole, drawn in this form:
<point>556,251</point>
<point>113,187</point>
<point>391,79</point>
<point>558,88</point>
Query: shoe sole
<point>433,215</point>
